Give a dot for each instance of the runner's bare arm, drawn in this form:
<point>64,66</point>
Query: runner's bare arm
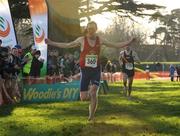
<point>62,45</point>
<point>119,44</point>
<point>120,57</point>
<point>136,58</point>
<point>120,60</point>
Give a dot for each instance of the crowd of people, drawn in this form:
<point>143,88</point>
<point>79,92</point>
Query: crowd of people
<point>66,65</point>
<point>10,66</point>
<point>13,63</point>
<point>110,68</point>
<point>18,67</point>
<point>174,71</point>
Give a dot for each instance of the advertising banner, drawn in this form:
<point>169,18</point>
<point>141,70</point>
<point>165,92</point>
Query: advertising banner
<point>7,33</point>
<point>38,11</point>
<point>51,92</point>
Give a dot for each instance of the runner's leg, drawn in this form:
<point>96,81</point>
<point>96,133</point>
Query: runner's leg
<point>125,77</point>
<point>95,81</point>
<point>93,101</point>
<point>130,81</point>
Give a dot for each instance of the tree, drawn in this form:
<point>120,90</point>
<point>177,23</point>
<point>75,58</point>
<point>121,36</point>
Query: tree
<point>19,9</point>
<point>22,22</point>
<point>169,26</point>
<point>91,7</point>
<point>82,8</point>
<point>169,29</point>
<point>125,8</point>
<point>121,30</point>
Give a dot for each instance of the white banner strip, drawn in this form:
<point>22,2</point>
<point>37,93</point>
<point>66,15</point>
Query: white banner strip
<point>7,33</point>
<point>38,11</point>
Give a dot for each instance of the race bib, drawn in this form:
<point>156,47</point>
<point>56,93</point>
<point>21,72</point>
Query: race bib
<point>91,61</point>
<point>129,66</point>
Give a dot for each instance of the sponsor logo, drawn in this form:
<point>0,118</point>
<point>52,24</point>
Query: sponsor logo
<point>39,34</point>
<point>30,94</point>
<point>4,27</point>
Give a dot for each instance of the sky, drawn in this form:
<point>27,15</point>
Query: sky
<point>105,19</point>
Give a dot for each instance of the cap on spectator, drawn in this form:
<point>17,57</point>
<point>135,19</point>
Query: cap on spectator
<point>17,46</point>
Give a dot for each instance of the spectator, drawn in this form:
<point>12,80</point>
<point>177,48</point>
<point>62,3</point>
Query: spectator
<point>4,61</point>
<point>65,66</point>
<point>76,69</point>
<point>28,61</point>
<point>4,96</point>
<point>11,83</point>
<point>114,70</point>
<point>19,49</point>
<point>1,91</point>
<point>108,68</point>
<point>178,73</point>
<point>171,72</point>
<point>52,63</point>
<point>147,70</point>
<point>15,60</point>
<point>71,64</point>
<point>5,74</point>
<point>36,65</point>
<point>0,42</point>
<point>158,66</point>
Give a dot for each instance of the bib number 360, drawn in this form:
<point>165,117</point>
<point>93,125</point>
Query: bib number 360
<point>91,61</point>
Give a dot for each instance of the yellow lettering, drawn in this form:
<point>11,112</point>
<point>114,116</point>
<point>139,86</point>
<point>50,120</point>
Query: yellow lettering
<point>48,93</point>
<point>75,91</point>
<point>59,95</point>
<point>28,94</point>
<point>53,95</point>
<point>35,95</point>
<point>41,95</point>
<point>67,93</point>
<point>32,93</point>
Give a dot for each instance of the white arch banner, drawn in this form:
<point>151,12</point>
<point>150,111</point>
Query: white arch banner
<point>7,33</point>
<point>38,11</point>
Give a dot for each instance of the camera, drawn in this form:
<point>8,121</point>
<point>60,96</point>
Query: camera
<point>3,53</point>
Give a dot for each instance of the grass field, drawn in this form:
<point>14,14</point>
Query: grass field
<point>154,110</point>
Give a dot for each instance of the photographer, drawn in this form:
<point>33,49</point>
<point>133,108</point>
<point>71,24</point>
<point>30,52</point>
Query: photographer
<point>0,42</point>
<point>5,98</point>
<point>11,83</point>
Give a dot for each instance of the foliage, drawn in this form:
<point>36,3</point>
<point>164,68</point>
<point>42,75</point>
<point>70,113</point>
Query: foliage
<point>87,8</point>
<point>170,28</point>
<point>22,22</point>
<point>153,111</point>
<point>121,30</point>
<point>19,9</point>
<point>125,8</point>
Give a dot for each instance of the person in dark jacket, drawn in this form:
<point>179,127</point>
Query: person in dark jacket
<point>37,64</point>
<point>172,70</point>
<point>178,73</point>
<point>0,42</point>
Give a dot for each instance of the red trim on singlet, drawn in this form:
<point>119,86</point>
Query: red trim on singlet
<point>89,50</point>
